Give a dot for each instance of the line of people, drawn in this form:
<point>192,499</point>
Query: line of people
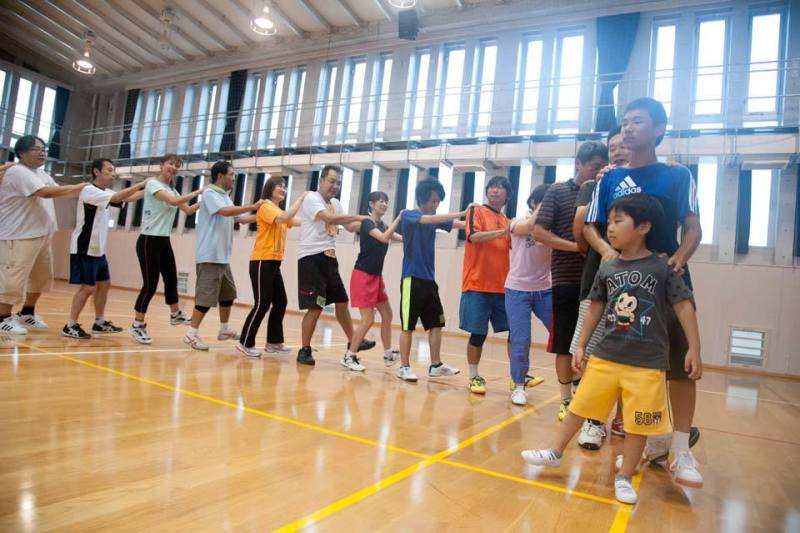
<point>596,259</point>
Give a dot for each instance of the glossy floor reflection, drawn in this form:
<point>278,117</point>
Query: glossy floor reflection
<point>111,435</point>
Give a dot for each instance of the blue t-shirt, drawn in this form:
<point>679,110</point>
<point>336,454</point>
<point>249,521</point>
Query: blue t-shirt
<point>672,186</point>
<point>419,244</point>
<point>214,232</point>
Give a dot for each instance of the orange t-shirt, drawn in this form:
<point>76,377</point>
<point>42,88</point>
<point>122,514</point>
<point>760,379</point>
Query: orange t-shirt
<point>271,235</point>
<point>486,263</point>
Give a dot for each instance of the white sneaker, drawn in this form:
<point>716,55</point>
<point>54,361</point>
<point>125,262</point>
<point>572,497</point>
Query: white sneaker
<point>179,318</point>
<point>277,348</point>
<point>352,362</point>
<point>10,325</point>
<point>657,448</point>
<point>406,374</point>
<point>618,464</point>
<point>519,396</point>
<point>683,468</point>
<point>592,436</point>
<point>249,352</point>
<point>139,334</point>
<point>227,335</point>
<point>392,358</point>
<point>546,457</point>
<point>442,370</point>
<point>624,491</point>
<point>30,321</point>
<point>195,342</point>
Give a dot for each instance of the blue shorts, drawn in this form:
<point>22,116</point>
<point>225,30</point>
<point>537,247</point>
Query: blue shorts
<point>477,309</point>
<point>88,270</point>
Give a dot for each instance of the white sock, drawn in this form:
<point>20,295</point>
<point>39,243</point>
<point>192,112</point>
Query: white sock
<point>387,353</point>
<point>473,371</point>
<point>223,326</point>
<point>138,323</point>
<point>566,390</point>
<point>680,442</point>
<point>71,323</point>
<point>99,320</point>
<point>349,353</point>
<point>519,387</point>
<point>192,332</point>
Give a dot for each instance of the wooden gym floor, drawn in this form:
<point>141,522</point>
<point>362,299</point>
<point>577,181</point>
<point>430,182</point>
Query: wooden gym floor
<point>107,434</point>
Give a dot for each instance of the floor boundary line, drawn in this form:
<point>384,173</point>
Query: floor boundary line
<point>623,514</point>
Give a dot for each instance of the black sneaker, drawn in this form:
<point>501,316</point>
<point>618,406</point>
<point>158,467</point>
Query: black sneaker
<point>366,345</point>
<point>694,436</point>
<point>105,327</point>
<point>75,332</point>
<point>304,356</point>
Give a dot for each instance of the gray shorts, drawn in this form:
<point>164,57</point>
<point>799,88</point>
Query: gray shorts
<point>214,284</point>
<point>597,335</point>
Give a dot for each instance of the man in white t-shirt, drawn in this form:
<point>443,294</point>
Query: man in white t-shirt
<point>318,279</point>
<point>27,222</point>
<point>88,266</point>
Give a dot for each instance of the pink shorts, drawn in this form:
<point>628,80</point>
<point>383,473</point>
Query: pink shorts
<point>366,290</point>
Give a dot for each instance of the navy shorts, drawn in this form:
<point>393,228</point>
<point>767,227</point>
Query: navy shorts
<point>477,309</point>
<point>88,270</point>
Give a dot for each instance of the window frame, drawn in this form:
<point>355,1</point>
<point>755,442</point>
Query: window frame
<point>344,133</point>
<point>698,120</point>
<point>777,115</point>
<point>412,114</point>
<point>478,83</point>
<point>521,84</point>
<point>441,92</point>
<point>654,76</point>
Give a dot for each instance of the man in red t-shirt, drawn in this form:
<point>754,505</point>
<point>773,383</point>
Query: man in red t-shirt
<point>486,265</point>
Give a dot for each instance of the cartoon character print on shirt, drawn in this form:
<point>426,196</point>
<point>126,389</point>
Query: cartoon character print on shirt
<point>629,291</point>
<point>625,309</point>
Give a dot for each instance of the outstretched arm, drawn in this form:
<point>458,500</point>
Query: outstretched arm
<point>236,210</point>
<point>386,236</point>
<point>176,201</point>
<point>290,213</point>
<point>596,241</point>
<point>60,191</point>
<point>126,195</point>
<point>551,240</point>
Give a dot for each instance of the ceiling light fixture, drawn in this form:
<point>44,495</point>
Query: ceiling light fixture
<point>167,16</point>
<point>262,23</point>
<point>83,63</point>
<point>403,4</point>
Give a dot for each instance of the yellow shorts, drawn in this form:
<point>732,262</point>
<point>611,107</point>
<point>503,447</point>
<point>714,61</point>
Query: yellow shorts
<point>644,396</point>
<point>25,266</point>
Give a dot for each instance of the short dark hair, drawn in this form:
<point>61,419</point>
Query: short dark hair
<point>97,164</point>
<point>616,130</point>
<point>501,181</point>
<point>537,194</point>
<point>220,167</point>
<point>330,168</point>
<point>25,143</point>
<point>654,108</point>
<point>427,187</point>
<point>171,157</point>
<point>269,186</point>
<point>640,207</point>
<point>591,149</point>
<point>375,196</point>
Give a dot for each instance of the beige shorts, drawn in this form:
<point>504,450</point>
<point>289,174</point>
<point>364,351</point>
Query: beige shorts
<point>214,284</point>
<point>26,265</point>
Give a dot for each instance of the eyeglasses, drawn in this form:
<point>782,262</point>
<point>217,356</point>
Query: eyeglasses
<point>41,150</point>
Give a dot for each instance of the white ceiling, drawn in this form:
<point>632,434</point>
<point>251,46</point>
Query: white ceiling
<point>127,31</point>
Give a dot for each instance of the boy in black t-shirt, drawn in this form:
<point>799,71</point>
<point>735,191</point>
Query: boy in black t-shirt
<point>367,290</point>
<point>633,297</point>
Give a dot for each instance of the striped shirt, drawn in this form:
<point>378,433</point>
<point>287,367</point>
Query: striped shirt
<point>556,214</point>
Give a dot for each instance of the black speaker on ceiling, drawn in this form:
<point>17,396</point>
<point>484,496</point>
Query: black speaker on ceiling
<point>407,24</point>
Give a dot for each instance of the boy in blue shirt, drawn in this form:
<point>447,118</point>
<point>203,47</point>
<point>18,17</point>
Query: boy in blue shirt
<point>643,127</point>
<point>419,297</point>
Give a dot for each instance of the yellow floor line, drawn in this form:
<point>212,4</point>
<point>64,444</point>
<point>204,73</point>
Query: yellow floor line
<point>620,523</point>
<point>371,489</point>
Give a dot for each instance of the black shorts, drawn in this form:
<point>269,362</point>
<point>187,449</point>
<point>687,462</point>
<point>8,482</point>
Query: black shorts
<point>566,303</point>
<point>86,269</point>
<point>419,300</point>
<point>318,282</point>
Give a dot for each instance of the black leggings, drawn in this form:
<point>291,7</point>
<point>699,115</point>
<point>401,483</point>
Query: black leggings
<point>268,289</point>
<point>156,257</point>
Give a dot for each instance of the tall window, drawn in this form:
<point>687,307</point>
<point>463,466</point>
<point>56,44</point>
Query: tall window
<point>451,80</point>
<point>208,102</point>
<point>483,87</point>
<point>565,169</point>
<point>765,56</point>
<point>152,106</point>
<point>247,115</point>
<point>446,179</point>
<point>187,117</point>
<point>164,117</point>
<point>662,64</point>
<point>710,72</point>
<point>271,106</point>
<point>411,187</point>
<point>707,196</point>
<point>4,78</point>
<point>567,98</point>
<point>376,177</point>
<point>417,93</point>
<point>325,103</point>
<point>293,105</point>
<point>46,115</point>
<point>347,188</point>
<point>524,190</point>
<point>352,99</point>
<point>22,116</point>
<point>379,97</point>
<point>761,213</point>
<point>529,75</point>
<point>477,186</point>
